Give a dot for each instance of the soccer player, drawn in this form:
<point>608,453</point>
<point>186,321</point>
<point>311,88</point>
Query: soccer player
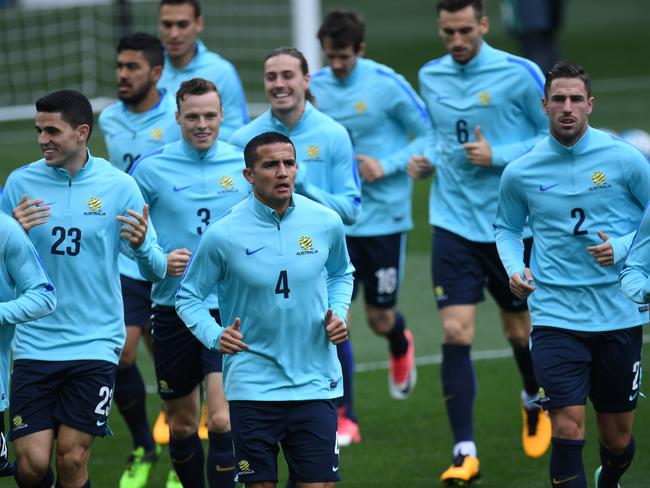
<point>65,363</point>
<point>142,120</point>
<point>186,57</point>
<point>583,192</point>
<point>281,269</point>
<point>328,173</point>
<point>484,108</point>
<point>188,184</point>
<point>381,112</point>
<point>26,294</point>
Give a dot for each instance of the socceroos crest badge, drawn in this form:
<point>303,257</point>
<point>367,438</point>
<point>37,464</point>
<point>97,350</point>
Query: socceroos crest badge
<point>95,206</point>
<point>306,246</point>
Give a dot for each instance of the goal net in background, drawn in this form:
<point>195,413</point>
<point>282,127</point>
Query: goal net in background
<point>49,48</point>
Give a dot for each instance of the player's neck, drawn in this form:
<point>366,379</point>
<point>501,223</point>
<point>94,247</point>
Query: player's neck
<point>147,103</point>
<point>290,118</point>
<point>183,60</point>
<point>75,163</point>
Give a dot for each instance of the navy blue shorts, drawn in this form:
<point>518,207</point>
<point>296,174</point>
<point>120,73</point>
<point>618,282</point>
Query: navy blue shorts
<point>306,430</point>
<point>604,366</point>
<point>46,394</point>
<point>136,295</point>
<point>461,269</point>
<point>379,264</point>
<point>181,361</point>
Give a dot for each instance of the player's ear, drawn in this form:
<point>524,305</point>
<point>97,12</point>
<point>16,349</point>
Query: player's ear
<point>248,174</point>
<point>156,72</point>
<point>84,132</point>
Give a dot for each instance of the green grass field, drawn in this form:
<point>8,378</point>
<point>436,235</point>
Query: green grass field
<point>407,444</point>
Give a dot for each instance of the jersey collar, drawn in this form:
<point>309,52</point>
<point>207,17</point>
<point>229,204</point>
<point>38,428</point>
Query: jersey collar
<point>194,153</point>
<point>578,148</point>
<point>267,213</point>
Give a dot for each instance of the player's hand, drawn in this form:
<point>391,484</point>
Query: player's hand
<point>522,287</point>
<point>336,329</point>
<point>419,167</point>
<point>177,261</point>
<point>479,152</point>
<point>30,213</point>
<point>231,340</point>
<point>369,168</point>
<point>135,229</point>
<point>602,253</point>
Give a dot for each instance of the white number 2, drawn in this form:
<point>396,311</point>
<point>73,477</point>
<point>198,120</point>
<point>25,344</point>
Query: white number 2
<point>104,405</point>
<point>636,368</point>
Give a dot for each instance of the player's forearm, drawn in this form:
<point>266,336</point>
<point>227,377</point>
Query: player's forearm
<point>511,249</point>
<point>635,284</point>
<point>621,246</point>
<point>197,318</point>
<point>31,305</point>
<point>151,260</point>
<point>346,206</point>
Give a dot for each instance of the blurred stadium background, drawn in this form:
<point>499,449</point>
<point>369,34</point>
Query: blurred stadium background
<point>404,443</point>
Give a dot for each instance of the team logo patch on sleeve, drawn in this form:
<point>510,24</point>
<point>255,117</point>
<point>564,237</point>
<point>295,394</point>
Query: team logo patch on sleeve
<point>600,180</point>
<point>95,206</point>
<point>306,246</point>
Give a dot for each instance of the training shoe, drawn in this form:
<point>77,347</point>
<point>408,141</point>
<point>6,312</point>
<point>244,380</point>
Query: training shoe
<point>138,467</point>
<point>172,480</point>
<point>348,430</point>
<point>402,374</point>
<point>597,477</point>
<point>161,430</point>
<point>203,423</point>
<point>464,471</point>
<point>536,431</point>
<point>7,469</point>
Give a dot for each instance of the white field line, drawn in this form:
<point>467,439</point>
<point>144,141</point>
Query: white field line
<point>422,360</point>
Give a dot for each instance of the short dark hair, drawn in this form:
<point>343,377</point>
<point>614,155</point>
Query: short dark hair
<point>195,86</point>
<point>264,139</point>
<point>294,53</point>
<point>456,5</point>
<point>73,106</point>
<point>150,46</point>
<point>196,5</point>
<point>344,28</point>
<point>567,69</point>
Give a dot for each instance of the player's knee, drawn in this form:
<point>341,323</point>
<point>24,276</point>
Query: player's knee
<point>616,444</point>
<point>381,321</point>
<point>219,421</point>
<point>182,427</point>
<point>71,459</point>
<point>568,428</point>
<point>456,332</point>
<point>32,466</point>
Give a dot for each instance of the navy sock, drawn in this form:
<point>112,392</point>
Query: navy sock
<point>45,482</point>
<point>85,485</point>
<point>396,338</point>
<point>524,361</point>
<point>130,400</point>
<point>459,389</point>
<point>614,465</point>
<point>346,357</point>
<point>188,459</point>
<point>221,460</point>
<point>566,467</point>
